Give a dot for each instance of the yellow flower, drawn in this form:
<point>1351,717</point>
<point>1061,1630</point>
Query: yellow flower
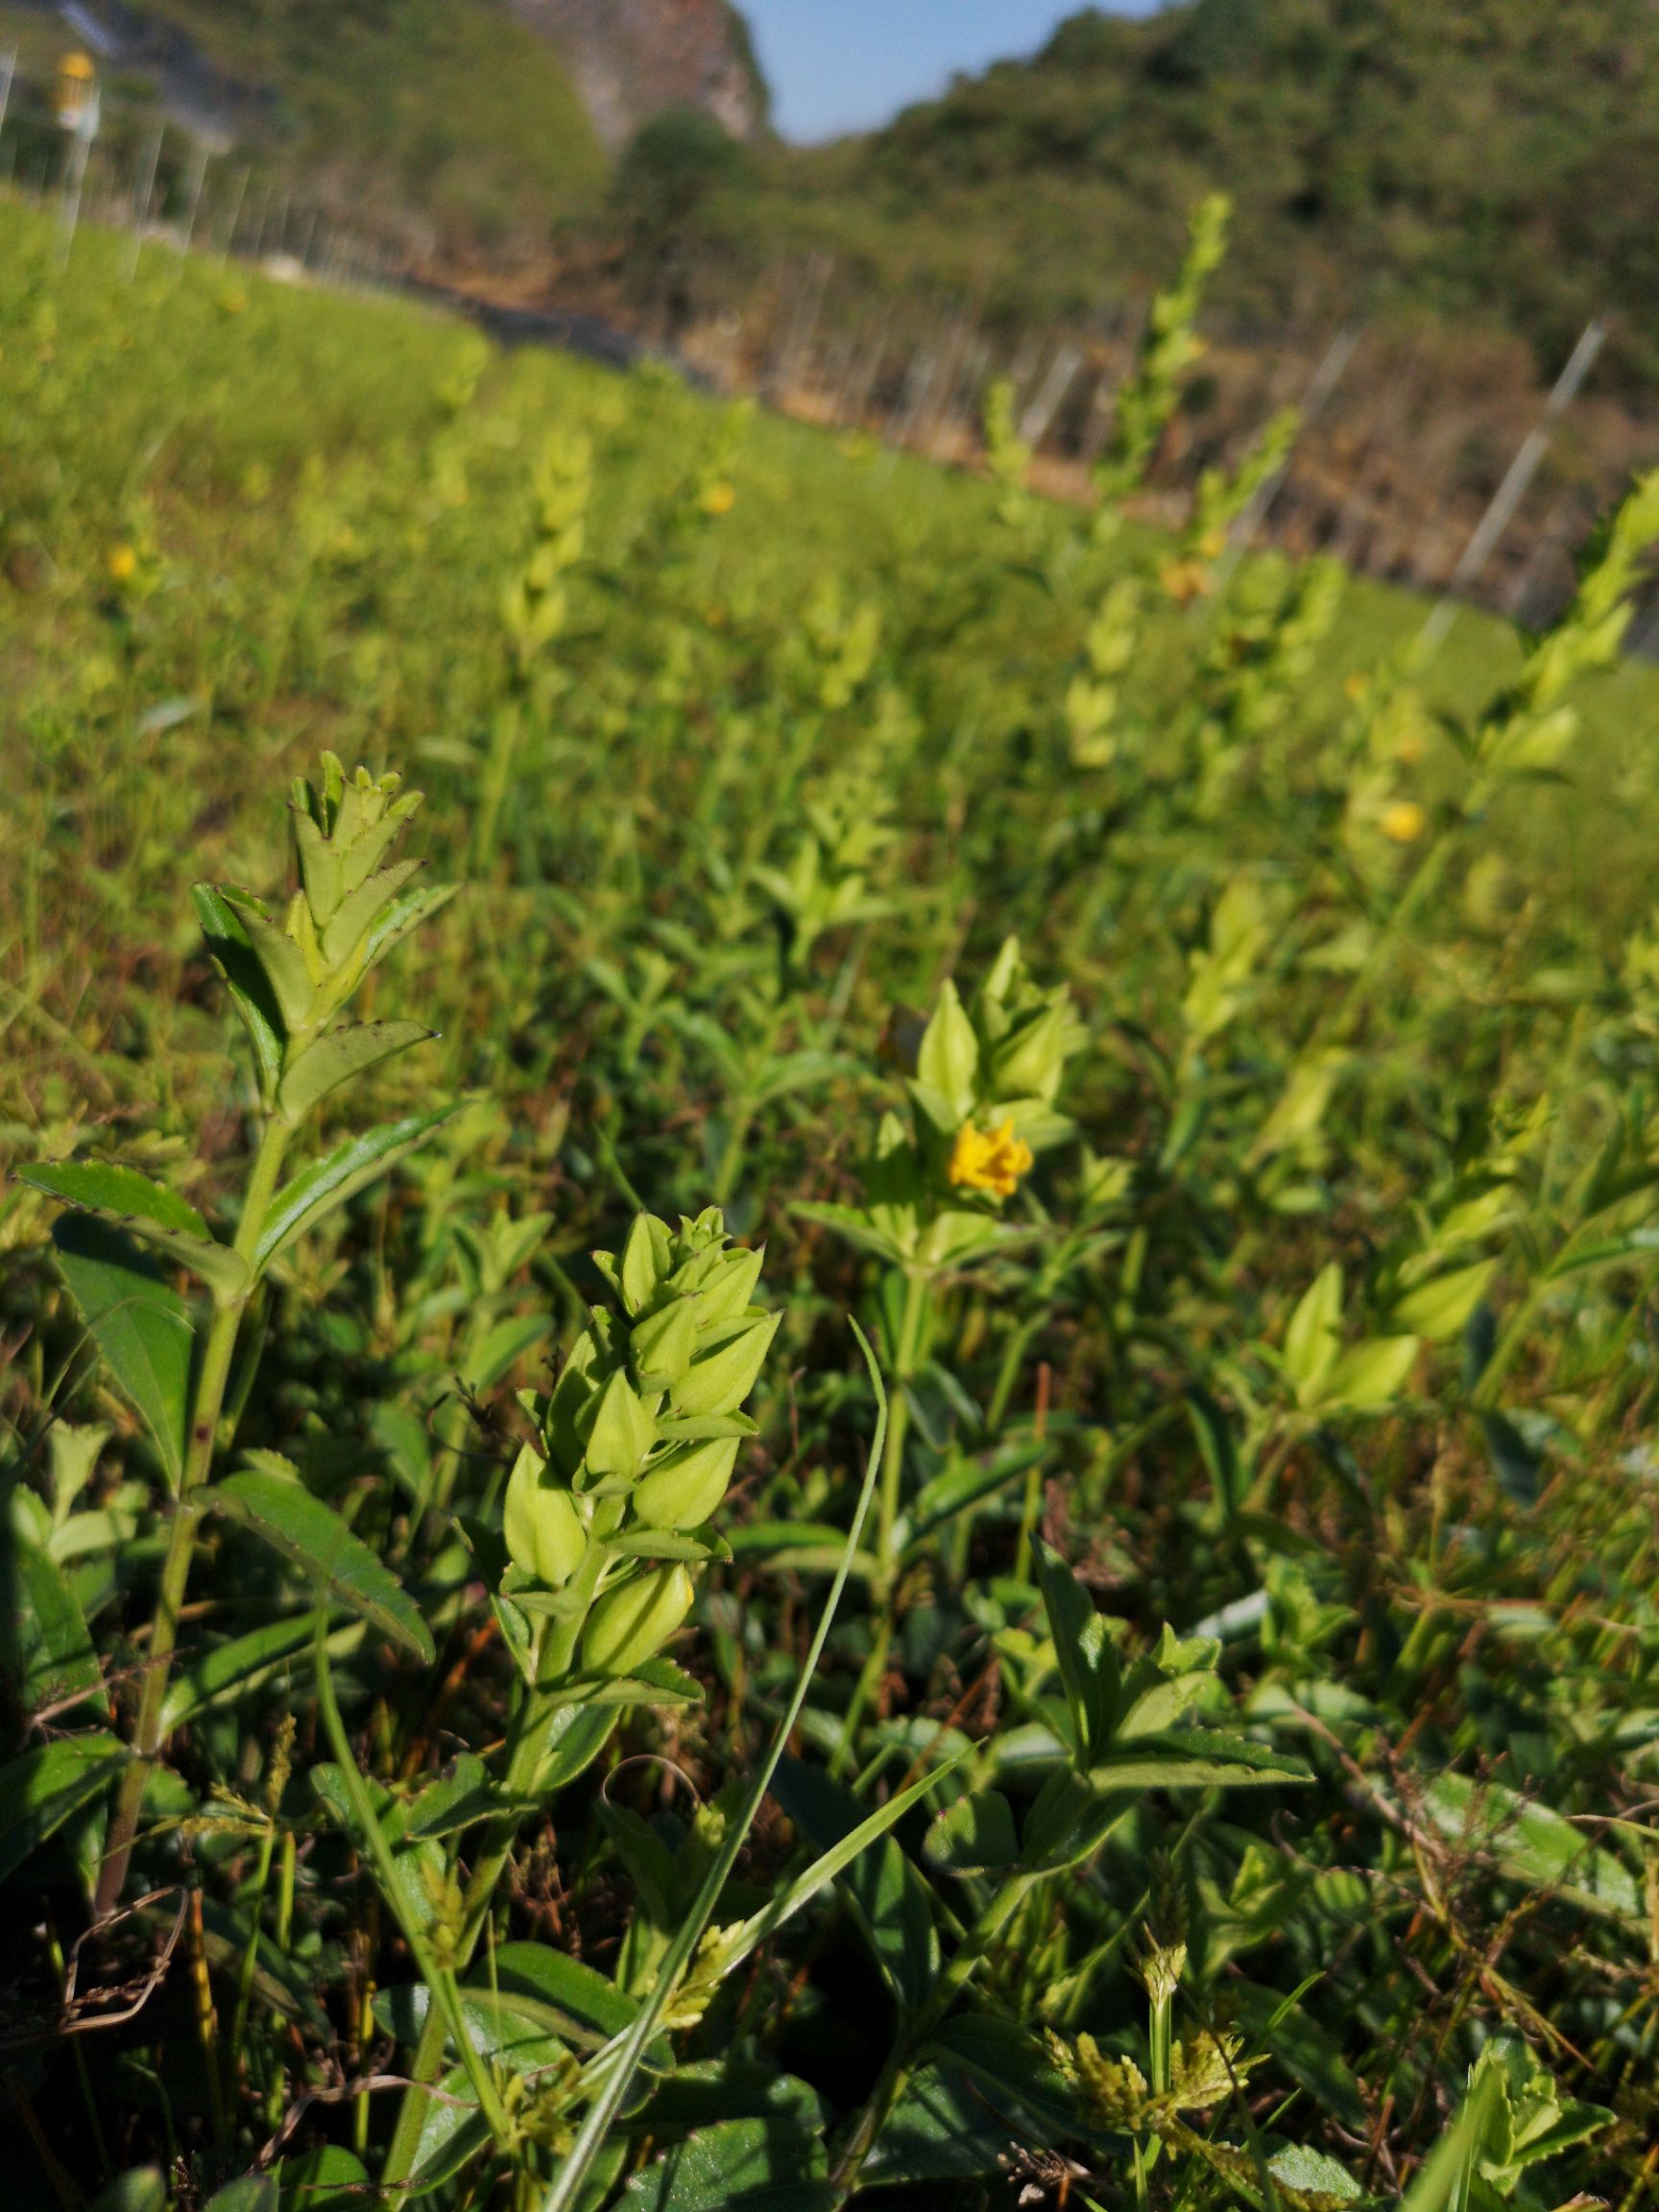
<point>719,498</point>
<point>1185,581</point>
<point>1402,820</point>
<point>123,564</point>
<point>993,1163</point>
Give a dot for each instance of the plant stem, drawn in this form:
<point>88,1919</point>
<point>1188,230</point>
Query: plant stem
<point>885,1585</point>
<point>204,1437</point>
<point>531,1720</point>
<point>947,1987</point>
<point>442,1995</point>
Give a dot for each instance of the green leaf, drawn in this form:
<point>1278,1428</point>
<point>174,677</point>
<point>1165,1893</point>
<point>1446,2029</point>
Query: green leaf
<point>327,1183</point>
<point>406,912</point>
<point>1088,1668</point>
<point>453,2131</point>
<point>248,2192</point>
<point>1196,1759</point>
<point>334,1059</point>
<point>760,2165</point>
<point>357,911</point>
<point>139,1322</point>
<point>1212,1433</point>
<point>739,1942</point>
<point>940,2130</point>
<point>1369,1375</point>
<point>461,1795</point>
<point>948,1059</point>
<point>279,957</point>
<point>586,2008</point>
<point>974,1835</point>
<point>131,1202</point>
<point>1441,1308</point>
<point>504,1346</point>
<point>42,1789</point>
<point>249,987</point>
<point>315,1539</point>
<point>1311,2174</point>
<point>121,1194</point>
<point>888,1895</point>
<point>224,1670</point>
<point>48,1653</point>
<point>140,2189</point>
<point>1312,1339</point>
<point>330,2180</point>
<point>859,1231</point>
<point>1536,1846</point>
<point>576,1734</point>
<point>519,2032</point>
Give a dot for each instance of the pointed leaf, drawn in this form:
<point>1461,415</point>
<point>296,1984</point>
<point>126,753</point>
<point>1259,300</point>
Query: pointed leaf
<point>406,911</point>
<point>279,958</point>
<point>315,1539</point>
<point>350,922</point>
<point>974,1835</point>
<point>121,1194</point>
<point>343,1053</point>
<point>144,1209</point>
<point>1076,1642</point>
<point>139,1323</point>
<point>246,980</point>
<point>947,1060</point>
<point>327,1183</point>
<point>1370,1374</point>
<point>44,1788</point>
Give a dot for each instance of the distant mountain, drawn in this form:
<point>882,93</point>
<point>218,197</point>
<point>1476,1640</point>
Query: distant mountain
<point>631,59</point>
<point>1496,159</point>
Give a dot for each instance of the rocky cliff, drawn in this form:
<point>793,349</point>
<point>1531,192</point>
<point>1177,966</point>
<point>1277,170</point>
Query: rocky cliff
<point>632,57</point>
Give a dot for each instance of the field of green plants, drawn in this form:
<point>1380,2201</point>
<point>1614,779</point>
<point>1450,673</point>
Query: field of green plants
<point>915,1466</point>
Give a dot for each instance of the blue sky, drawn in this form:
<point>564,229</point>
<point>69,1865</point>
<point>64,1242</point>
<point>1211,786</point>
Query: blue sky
<point>845,64</point>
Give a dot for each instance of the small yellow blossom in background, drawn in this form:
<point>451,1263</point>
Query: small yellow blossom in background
<point>123,564</point>
<point>1185,581</point>
<point>1213,545</point>
<point>993,1163</point>
<point>1410,747</point>
<point>1402,820</point>
<point>1357,685</point>
<point>719,498</point>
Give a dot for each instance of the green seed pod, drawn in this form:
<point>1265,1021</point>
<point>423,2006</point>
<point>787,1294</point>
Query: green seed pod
<point>661,1345</point>
<point>722,1378</point>
<point>623,1430</point>
<point>544,1530</point>
<point>629,1623</point>
<point>683,1490</point>
<point>729,1287</point>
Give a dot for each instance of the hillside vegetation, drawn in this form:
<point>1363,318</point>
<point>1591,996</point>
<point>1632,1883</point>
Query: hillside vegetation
<point>917,1468</point>
<point>449,115</point>
<point>1495,160</point>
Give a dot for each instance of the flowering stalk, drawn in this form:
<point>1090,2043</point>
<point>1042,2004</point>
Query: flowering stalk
<point>290,982</point>
<point>607,1515</point>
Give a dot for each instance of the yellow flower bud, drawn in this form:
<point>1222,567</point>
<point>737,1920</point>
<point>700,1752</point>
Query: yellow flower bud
<point>123,564</point>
